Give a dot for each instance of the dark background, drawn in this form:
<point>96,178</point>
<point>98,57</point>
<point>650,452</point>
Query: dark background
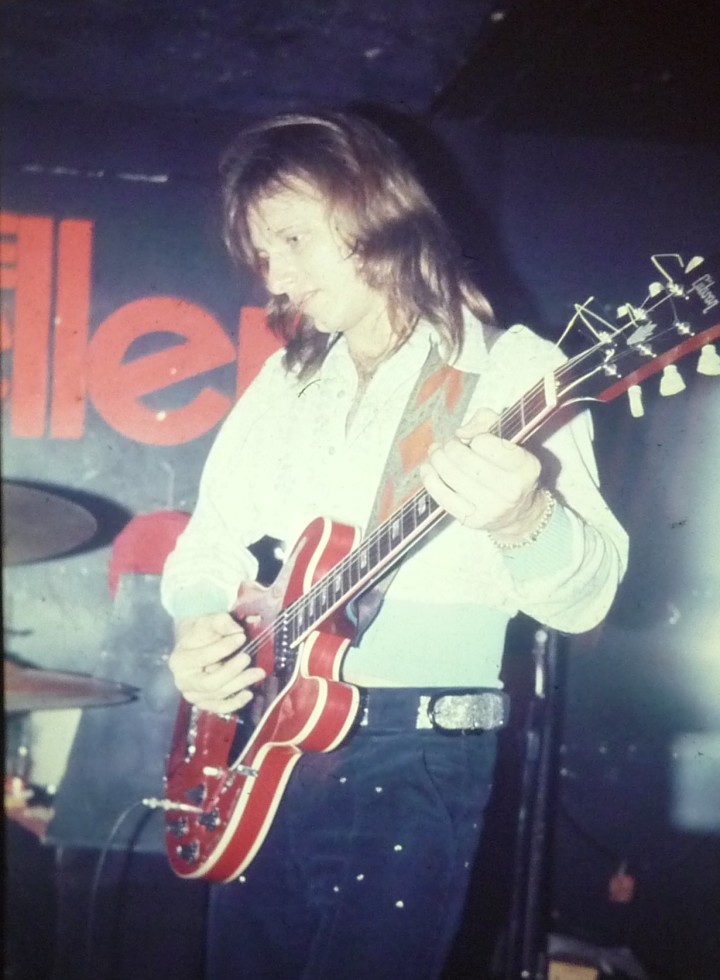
<point>568,142</point>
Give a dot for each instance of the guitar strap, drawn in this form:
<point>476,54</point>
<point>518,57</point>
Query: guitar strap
<point>434,410</point>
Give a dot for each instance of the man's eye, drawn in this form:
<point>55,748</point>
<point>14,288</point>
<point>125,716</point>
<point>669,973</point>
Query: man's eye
<point>294,239</point>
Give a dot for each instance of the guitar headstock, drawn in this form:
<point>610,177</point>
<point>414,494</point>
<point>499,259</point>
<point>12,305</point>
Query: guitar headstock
<point>679,316</point>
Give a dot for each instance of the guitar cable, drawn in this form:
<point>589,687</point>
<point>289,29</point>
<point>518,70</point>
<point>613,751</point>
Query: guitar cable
<point>100,867</point>
<point>154,803</point>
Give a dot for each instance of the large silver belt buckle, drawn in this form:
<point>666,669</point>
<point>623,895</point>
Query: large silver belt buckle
<point>462,712</point>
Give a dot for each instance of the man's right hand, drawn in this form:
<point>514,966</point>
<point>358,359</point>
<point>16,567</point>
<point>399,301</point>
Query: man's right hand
<point>208,664</point>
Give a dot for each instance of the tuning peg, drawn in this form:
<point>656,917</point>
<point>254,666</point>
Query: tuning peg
<point>636,406</point>
<point>671,381</point>
<point>709,362</point>
<point>694,262</point>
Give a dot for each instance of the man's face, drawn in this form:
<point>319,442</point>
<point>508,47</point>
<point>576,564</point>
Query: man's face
<point>304,256</point>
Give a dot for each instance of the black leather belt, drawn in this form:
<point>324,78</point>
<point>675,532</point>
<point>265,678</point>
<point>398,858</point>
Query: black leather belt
<point>454,711</point>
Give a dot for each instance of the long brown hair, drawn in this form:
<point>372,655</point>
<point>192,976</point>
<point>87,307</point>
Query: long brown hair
<point>403,244</point>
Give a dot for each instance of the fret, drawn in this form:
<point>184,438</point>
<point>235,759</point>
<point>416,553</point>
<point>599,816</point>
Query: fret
<point>538,394</point>
<point>384,541</point>
<point>425,507</point>
<point>365,559</point>
<point>409,522</point>
<point>296,621</point>
<point>350,572</point>
<point>373,549</point>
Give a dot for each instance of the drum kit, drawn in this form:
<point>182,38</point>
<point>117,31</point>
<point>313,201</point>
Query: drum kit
<point>37,525</point>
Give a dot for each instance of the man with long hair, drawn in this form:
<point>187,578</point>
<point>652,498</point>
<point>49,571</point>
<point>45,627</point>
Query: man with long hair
<point>364,871</point>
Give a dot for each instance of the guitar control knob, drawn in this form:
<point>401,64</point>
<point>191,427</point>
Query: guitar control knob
<point>178,827</point>
<point>196,794</point>
<point>210,820</point>
<point>188,852</point>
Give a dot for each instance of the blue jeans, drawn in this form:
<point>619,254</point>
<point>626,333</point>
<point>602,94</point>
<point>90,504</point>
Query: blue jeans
<point>364,872</point>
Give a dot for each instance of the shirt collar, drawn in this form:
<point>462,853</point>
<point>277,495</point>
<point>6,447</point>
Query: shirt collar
<point>416,348</point>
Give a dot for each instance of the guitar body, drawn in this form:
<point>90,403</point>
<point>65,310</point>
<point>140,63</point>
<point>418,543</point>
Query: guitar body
<point>227,774</point>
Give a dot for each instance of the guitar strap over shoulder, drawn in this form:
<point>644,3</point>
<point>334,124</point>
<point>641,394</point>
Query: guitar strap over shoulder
<point>434,410</point>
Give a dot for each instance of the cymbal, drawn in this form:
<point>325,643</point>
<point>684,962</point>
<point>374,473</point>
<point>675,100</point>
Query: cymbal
<point>38,524</point>
<point>32,689</point>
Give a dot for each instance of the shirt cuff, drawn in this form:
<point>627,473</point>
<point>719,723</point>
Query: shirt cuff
<point>202,599</point>
<point>547,553</point>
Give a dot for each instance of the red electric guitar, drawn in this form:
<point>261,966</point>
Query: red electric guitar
<point>226,775</point>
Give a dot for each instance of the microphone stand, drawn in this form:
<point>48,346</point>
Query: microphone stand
<point>526,957</point>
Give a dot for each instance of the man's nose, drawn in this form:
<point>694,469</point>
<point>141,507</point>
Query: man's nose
<point>281,274</point>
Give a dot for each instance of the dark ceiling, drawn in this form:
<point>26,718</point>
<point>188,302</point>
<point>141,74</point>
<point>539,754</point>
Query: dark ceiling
<point>637,69</point>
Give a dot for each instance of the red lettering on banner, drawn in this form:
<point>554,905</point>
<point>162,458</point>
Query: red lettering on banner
<point>27,269</point>
<point>116,385</point>
<point>8,279</point>
<point>99,367</point>
<point>5,348</point>
<point>72,311</point>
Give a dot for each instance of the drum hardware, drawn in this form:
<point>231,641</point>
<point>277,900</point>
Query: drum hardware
<point>24,801</point>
